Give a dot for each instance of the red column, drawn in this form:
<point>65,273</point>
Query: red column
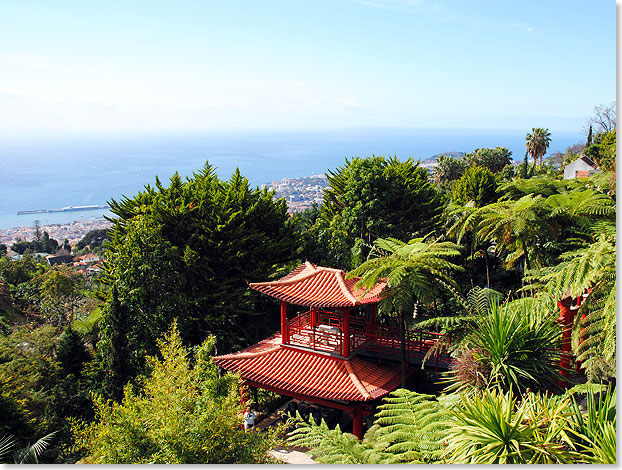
<point>346,333</point>
<point>566,318</point>
<point>244,396</point>
<point>580,301</point>
<point>313,317</point>
<point>357,422</point>
<point>284,330</point>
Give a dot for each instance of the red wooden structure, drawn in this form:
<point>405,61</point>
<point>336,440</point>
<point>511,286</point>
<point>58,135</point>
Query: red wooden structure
<point>330,354</point>
<point>568,307</point>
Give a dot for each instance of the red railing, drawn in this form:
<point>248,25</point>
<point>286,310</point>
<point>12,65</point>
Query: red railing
<point>327,335</point>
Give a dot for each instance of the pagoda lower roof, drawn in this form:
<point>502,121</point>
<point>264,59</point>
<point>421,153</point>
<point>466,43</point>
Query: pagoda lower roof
<point>304,372</point>
<point>316,286</point>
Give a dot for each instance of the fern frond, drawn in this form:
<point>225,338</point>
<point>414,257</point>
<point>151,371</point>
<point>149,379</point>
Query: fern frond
<point>331,446</point>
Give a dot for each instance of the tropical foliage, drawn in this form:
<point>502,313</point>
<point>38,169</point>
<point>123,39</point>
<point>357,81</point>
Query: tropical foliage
<point>411,270</point>
<point>482,427</point>
<point>513,346</point>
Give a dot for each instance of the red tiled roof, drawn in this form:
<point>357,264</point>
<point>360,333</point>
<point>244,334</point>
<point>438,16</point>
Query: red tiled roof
<point>311,374</point>
<point>316,286</point>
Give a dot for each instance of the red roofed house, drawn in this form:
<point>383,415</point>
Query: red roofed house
<point>318,355</point>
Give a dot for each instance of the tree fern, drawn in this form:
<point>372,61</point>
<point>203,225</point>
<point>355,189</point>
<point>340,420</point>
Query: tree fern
<point>331,446</point>
<point>592,267</point>
<point>409,427</point>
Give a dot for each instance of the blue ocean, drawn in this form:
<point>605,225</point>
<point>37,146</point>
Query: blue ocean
<point>60,171</point>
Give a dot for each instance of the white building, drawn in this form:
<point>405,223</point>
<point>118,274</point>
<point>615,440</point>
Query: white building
<point>582,167</point>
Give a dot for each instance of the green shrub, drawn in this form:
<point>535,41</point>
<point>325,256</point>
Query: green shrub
<point>478,185</point>
<point>183,415</point>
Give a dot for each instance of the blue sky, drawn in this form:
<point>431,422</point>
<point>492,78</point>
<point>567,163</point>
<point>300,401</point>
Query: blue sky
<point>152,65</point>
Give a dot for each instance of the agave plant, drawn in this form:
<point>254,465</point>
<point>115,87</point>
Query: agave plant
<point>492,426</point>
<point>514,346</point>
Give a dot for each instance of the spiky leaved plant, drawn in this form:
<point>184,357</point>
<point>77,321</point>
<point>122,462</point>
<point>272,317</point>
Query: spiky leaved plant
<point>29,454</point>
<point>515,346</point>
<point>492,426</point>
<point>595,429</point>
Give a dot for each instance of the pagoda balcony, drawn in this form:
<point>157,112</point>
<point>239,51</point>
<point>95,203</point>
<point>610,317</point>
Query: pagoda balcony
<point>323,331</point>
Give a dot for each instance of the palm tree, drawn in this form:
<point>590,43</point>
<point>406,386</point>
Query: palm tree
<point>537,142</point>
<point>411,271</point>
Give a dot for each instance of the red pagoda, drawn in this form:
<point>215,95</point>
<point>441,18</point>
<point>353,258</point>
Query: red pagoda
<point>318,355</point>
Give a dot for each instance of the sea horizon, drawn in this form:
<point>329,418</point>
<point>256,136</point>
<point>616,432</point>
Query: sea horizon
<point>54,171</point>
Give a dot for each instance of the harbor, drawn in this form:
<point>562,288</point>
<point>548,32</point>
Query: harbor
<point>65,209</point>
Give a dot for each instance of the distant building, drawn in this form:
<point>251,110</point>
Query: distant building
<point>88,258</point>
<point>61,257</point>
<point>582,167</point>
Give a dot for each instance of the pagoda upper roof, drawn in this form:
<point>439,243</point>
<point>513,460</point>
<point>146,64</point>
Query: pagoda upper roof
<point>316,286</point>
<point>308,373</point>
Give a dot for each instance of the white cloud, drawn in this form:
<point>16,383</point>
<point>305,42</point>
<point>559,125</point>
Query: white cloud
<point>296,84</point>
<point>524,27</point>
<point>349,104</point>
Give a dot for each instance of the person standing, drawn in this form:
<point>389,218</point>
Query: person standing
<point>249,419</point>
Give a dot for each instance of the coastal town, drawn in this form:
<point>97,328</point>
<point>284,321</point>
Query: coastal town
<point>300,194</point>
<point>71,231</point>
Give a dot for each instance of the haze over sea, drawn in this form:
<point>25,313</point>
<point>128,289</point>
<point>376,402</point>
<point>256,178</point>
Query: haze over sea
<point>60,171</point>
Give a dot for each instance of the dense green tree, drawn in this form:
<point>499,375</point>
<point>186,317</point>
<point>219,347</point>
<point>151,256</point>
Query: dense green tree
<point>16,272</point>
<point>478,185</point>
<point>183,415</point>
<point>495,159</point>
<point>71,353</point>
<point>448,169</point>
<point>605,154</point>
<point>61,293</point>
<point>28,372</point>
<point>376,197</point>
<point>93,239</point>
<point>43,245</point>
<point>537,142</point>
<point>188,251</point>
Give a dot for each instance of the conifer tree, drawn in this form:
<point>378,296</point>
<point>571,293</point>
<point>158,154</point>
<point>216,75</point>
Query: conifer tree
<point>118,358</point>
